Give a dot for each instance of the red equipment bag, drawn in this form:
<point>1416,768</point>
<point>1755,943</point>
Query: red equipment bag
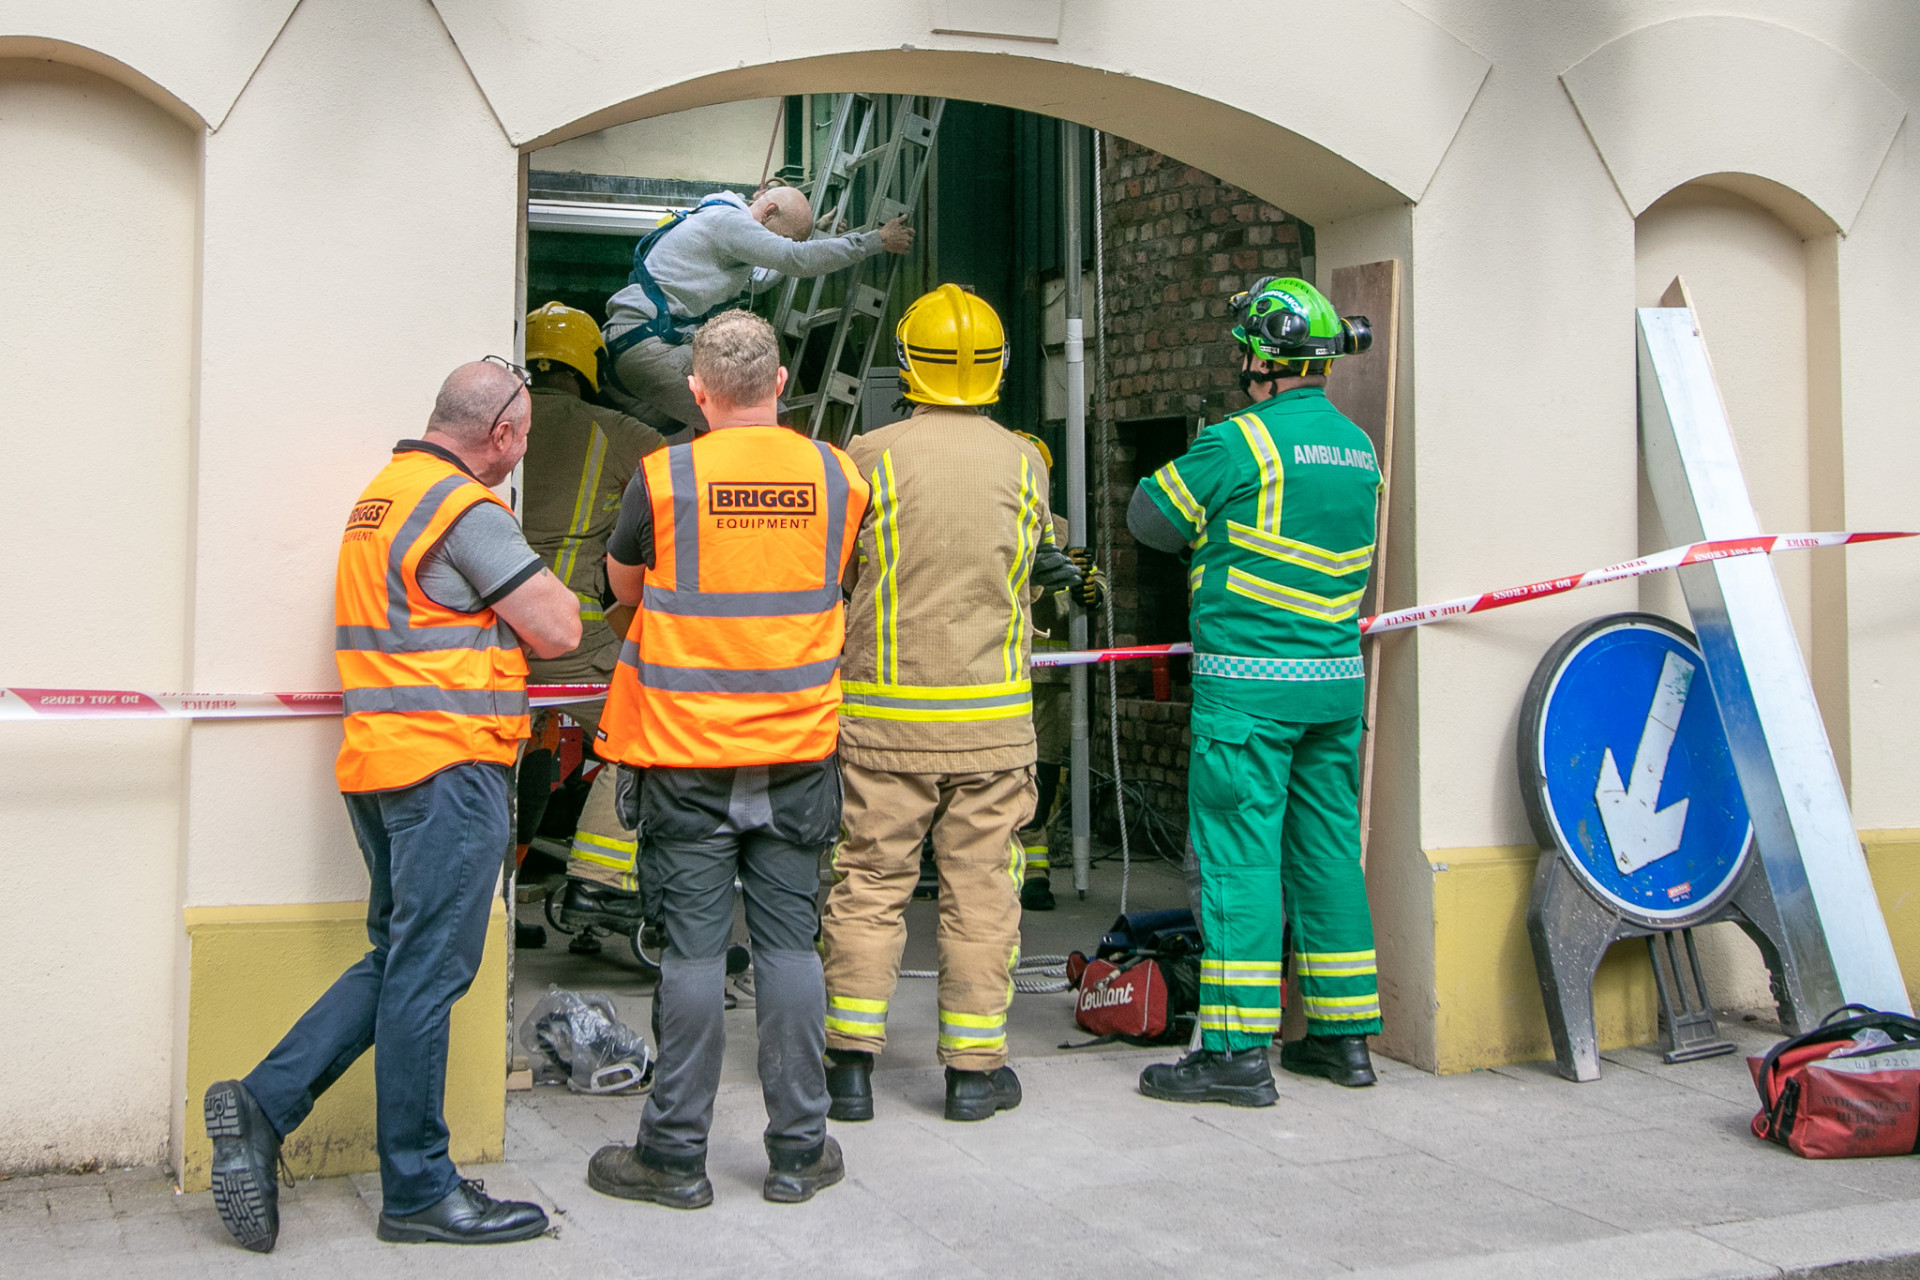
<point>1130,1002</point>
<point>1826,1097</point>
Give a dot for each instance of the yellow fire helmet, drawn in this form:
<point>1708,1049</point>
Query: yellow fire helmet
<point>1046,454</point>
<point>559,334</point>
<point>952,349</point>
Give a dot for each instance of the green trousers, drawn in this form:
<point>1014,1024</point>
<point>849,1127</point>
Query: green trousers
<point>1273,807</point>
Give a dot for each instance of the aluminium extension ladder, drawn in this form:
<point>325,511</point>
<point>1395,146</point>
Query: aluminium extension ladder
<point>873,170</point>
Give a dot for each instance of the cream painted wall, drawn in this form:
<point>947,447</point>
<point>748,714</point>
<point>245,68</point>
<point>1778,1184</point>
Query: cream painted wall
<point>722,143</point>
<point>360,242</point>
<point>97,230</point>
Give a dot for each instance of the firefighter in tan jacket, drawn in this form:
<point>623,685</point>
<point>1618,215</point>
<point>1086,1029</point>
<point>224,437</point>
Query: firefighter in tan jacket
<point>579,459</point>
<point>936,724</point>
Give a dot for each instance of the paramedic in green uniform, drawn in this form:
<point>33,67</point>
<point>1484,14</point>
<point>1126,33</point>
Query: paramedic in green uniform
<point>1278,505</point>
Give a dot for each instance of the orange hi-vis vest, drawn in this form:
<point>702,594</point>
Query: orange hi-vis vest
<point>733,657</point>
<point>426,686</point>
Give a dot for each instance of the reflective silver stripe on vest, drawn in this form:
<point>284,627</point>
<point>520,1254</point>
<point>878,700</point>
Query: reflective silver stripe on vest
<point>809,675</point>
<point>399,608</point>
<point>424,639</point>
<point>688,600</point>
<point>740,604</point>
<point>416,697</point>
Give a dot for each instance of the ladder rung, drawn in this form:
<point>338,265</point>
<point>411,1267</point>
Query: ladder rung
<point>842,388</point>
<point>887,209</point>
<point>869,300</point>
<point>917,129</point>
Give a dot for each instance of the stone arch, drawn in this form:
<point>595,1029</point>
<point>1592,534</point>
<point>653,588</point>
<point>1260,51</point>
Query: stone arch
<point>1292,131</point>
<point>1699,99</point>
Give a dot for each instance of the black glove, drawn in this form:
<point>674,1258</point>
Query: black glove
<point>1052,570</point>
<point>1092,588</point>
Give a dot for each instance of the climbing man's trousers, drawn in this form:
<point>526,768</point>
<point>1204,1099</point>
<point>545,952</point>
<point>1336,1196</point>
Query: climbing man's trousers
<point>1274,811</point>
<point>974,818</point>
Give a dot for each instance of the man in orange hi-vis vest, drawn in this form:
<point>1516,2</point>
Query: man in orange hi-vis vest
<point>436,593</point>
<point>723,714</point>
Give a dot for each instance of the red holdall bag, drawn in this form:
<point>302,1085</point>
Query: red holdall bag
<point>1129,1002</point>
<point>1828,1095</point>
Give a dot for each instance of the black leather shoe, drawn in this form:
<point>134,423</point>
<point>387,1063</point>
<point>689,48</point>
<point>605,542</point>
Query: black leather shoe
<point>1341,1059</point>
<point>246,1161</point>
<point>466,1215</point>
<point>1037,895</point>
<point>1239,1079</point>
<point>793,1176</point>
<point>976,1095</point>
<point>677,1182</point>
<point>849,1084</point>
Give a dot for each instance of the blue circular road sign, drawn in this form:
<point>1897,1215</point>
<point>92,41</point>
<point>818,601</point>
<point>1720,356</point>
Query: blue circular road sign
<point>1626,770</point>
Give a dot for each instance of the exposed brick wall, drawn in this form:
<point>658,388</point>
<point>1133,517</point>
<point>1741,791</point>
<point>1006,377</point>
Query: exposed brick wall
<point>1180,242</point>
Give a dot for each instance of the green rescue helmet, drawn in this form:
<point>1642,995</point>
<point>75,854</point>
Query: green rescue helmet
<point>1285,319</point>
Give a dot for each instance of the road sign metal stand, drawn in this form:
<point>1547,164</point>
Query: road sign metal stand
<point>1571,930</point>
<point>1687,1028</point>
<point>1598,880</point>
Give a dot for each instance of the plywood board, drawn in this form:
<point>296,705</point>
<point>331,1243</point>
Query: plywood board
<point>1363,388</point>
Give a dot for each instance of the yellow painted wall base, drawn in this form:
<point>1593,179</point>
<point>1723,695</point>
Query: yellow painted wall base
<point>1488,1009</point>
<point>1487,997</point>
<point>1893,859</point>
<point>255,970</point>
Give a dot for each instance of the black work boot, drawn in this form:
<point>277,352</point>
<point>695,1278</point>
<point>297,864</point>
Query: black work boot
<point>465,1215</point>
<point>679,1182</point>
<point>1341,1059</point>
<point>849,1084</point>
<point>1037,894</point>
<point>1239,1079</point>
<point>793,1176</point>
<point>976,1095</point>
<point>246,1160</point>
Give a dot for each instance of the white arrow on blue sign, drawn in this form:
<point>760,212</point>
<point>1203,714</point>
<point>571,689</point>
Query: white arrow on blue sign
<point>1666,839</point>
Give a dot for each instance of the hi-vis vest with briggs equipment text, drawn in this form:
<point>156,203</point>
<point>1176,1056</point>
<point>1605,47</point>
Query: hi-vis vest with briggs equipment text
<point>733,658</point>
<point>425,686</point>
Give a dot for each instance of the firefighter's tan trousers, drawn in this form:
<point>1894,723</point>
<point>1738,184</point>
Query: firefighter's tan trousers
<point>603,851</point>
<point>974,818</point>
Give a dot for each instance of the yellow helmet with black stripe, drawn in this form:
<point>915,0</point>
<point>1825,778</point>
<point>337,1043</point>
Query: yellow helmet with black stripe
<point>952,349</point>
<point>561,335</point>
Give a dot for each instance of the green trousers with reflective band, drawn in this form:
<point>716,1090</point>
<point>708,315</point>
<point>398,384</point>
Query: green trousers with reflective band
<point>1274,811</point>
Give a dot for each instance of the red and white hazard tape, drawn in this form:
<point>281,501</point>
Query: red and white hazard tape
<point>17,703</point>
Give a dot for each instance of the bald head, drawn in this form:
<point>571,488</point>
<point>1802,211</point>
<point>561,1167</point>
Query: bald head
<point>784,211</point>
<point>473,398</point>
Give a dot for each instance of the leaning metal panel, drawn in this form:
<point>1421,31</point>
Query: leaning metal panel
<point>1803,827</point>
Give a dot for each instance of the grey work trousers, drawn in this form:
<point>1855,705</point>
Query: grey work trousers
<point>768,825</point>
<point>653,375</point>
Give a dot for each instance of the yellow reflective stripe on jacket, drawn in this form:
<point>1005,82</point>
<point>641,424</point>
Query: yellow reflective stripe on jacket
<point>972,1030</point>
<point>1168,478</point>
<point>590,610</point>
<point>1026,541</point>
<point>1272,478</point>
<point>1335,964</point>
<point>936,703</point>
<point>1342,1008</point>
<point>856,1016</point>
<point>1193,578</point>
<point>1304,554</point>
<point>1306,603</point>
<point>886,548</point>
<point>568,557</point>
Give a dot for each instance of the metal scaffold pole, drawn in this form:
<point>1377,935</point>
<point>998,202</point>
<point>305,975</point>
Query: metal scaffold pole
<point>1078,778</point>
